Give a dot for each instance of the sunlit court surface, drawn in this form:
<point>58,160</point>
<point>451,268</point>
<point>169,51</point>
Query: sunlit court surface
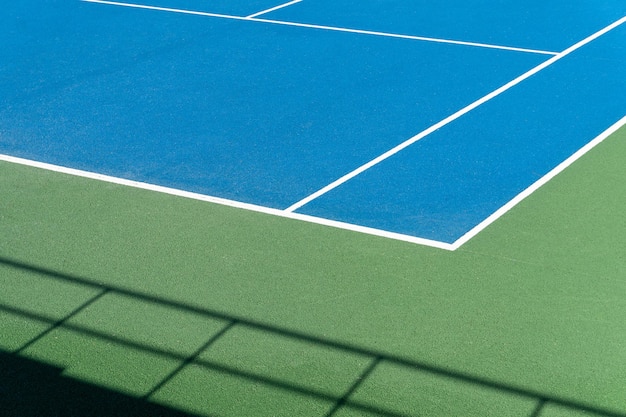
<point>313,208</point>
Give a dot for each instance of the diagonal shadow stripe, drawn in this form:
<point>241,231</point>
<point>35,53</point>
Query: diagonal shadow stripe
<point>540,397</point>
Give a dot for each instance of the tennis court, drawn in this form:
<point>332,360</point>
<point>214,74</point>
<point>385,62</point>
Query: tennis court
<point>313,208</point>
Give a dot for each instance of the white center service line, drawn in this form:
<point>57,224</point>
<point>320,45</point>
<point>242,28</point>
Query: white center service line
<point>273,8</point>
<point>451,118</point>
<point>251,18</point>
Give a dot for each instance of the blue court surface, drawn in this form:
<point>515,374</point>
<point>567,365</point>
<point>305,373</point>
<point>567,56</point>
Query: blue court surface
<point>417,120</point>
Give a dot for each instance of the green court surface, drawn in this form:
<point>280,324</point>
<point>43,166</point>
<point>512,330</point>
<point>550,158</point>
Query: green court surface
<point>119,301</point>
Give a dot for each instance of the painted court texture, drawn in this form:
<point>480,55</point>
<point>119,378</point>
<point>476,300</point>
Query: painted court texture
<point>432,123</point>
<point>315,122</point>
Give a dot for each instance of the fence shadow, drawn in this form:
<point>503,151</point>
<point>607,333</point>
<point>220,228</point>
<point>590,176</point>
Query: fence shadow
<point>31,389</point>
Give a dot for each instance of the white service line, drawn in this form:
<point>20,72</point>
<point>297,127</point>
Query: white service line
<point>401,36</point>
<point>322,27</point>
<point>451,118</point>
<point>273,8</point>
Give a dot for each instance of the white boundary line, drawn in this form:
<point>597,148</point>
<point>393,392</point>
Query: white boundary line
<point>321,27</point>
<point>223,201</point>
<point>539,183</point>
<point>273,8</point>
<point>450,118</point>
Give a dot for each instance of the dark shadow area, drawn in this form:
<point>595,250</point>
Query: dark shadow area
<point>539,409</point>
<point>32,389</point>
<point>28,388</point>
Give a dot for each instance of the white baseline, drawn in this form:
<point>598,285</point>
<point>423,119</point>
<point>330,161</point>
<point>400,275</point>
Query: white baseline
<point>222,201</point>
